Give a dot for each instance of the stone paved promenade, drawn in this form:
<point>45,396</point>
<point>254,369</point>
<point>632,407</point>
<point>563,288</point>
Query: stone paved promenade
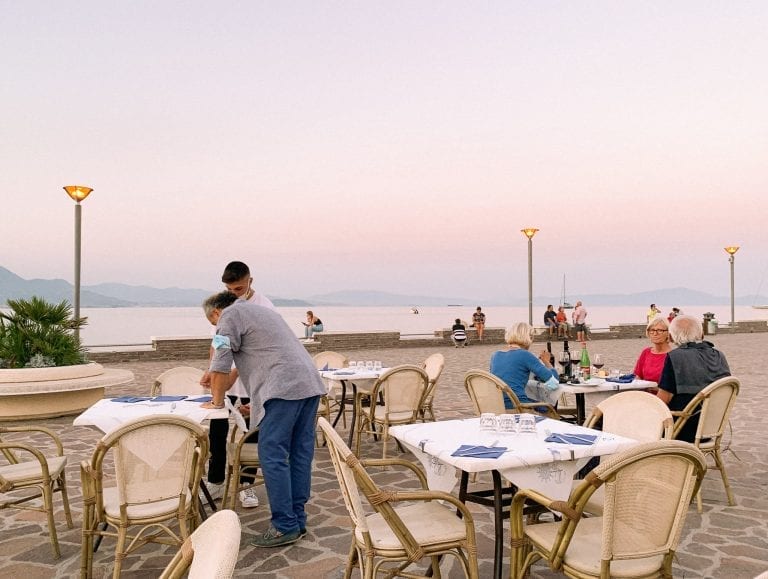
<point>723,542</point>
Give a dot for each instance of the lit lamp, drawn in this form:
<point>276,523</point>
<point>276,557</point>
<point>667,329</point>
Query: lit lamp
<point>529,232</point>
<point>77,193</point>
<point>731,251</point>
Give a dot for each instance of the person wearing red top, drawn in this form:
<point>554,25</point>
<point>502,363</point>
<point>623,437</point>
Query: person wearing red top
<point>651,360</point>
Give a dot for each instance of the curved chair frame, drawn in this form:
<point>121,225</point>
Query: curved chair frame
<point>486,392</point>
<point>433,366</point>
<point>44,473</point>
<point>713,406</point>
<point>179,380</point>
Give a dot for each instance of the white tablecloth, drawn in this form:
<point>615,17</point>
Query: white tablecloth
<point>107,415</point>
<point>529,462</point>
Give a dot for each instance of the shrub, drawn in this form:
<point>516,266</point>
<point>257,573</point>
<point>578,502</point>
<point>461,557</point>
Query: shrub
<point>36,333</point>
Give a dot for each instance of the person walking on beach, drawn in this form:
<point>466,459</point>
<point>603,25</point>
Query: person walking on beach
<point>478,322</point>
<point>579,317</point>
<point>285,390</point>
<point>237,279</point>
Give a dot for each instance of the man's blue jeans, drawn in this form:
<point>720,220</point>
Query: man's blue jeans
<point>286,449</point>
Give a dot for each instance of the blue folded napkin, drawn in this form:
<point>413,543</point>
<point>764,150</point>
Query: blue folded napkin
<point>324,368</point>
<point>475,451</point>
<point>536,416</point>
<point>201,399</point>
<point>571,438</point>
<point>623,379</point>
<point>130,399</point>
<point>167,398</point>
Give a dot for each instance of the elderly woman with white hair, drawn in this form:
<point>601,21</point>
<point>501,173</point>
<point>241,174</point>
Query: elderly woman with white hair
<point>516,364</point>
<point>689,368</point>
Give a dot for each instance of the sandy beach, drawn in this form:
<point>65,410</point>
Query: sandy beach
<point>722,542</point>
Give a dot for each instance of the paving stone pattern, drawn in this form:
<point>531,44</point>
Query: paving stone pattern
<point>727,542</point>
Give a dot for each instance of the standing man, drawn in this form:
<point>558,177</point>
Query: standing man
<point>285,389</point>
<point>478,321</point>
<point>579,317</point>
<point>237,279</point>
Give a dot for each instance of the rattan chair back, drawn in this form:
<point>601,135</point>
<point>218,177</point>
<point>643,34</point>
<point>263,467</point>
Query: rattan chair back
<point>433,366</point>
<point>179,380</point>
<point>633,414</point>
<point>487,392</point>
<point>210,552</point>
<point>331,359</point>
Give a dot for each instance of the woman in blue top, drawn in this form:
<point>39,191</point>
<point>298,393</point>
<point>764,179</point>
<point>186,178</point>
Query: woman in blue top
<point>516,364</point>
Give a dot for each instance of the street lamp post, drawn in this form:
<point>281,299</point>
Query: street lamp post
<point>731,251</point>
<point>529,232</point>
<point>78,194</point>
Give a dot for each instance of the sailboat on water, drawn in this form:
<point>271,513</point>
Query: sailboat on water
<point>563,303</point>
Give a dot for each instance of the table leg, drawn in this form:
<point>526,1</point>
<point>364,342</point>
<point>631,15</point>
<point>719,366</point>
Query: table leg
<point>353,421</point>
<point>498,519</point>
<point>581,414</point>
<point>342,402</point>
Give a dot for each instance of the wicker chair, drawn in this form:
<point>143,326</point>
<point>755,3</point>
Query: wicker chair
<point>633,414</point>
<point>242,460</point>
<point>158,463</point>
<point>29,468</point>
<point>433,366</point>
<point>402,389</point>
<point>179,380</point>
<point>329,359</point>
<point>210,552</point>
<point>487,394</point>
<point>396,535</point>
<point>648,489</point>
<point>712,407</point>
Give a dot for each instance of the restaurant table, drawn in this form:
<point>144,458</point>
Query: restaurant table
<point>106,415</point>
<point>597,389</point>
<point>361,381</point>
<point>528,462</point>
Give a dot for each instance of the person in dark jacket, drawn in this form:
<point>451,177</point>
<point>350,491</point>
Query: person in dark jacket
<point>689,368</point>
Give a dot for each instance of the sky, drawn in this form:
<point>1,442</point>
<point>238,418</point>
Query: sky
<point>391,145</point>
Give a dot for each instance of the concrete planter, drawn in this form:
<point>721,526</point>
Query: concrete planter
<point>32,393</point>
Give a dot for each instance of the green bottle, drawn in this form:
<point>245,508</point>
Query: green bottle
<point>585,364</point>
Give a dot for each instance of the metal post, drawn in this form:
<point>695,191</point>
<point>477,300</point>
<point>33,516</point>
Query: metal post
<point>530,281</point>
<point>732,259</point>
<point>78,218</point>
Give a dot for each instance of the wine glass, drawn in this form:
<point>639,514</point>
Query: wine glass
<point>564,359</point>
<point>575,356</point>
<point>598,361</point>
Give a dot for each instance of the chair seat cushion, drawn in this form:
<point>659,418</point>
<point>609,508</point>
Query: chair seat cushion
<point>585,550</point>
<point>594,505</point>
<point>167,507</point>
<point>31,471</point>
<point>429,523</point>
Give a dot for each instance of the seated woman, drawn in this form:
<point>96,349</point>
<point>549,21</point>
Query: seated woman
<point>563,330</point>
<point>651,360</point>
<point>515,364</point>
<point>313,325</point>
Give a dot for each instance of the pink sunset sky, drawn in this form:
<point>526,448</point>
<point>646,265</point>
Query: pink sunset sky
<point>394,145</point>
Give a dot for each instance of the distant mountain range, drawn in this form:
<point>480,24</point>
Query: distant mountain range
<point>115,295</point>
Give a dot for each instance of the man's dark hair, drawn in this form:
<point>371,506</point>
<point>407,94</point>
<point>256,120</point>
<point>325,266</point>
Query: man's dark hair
<point>235,271</point>
<point>219,301</point>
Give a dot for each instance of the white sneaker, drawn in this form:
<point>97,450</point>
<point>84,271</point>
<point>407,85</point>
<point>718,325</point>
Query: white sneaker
<point>249,499</point>
<point>216,490</point>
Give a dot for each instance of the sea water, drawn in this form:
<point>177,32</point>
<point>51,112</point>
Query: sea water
<point>126,326</point>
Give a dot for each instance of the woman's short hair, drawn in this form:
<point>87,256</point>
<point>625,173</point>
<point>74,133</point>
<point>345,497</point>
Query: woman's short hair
<point>519,334</point>
<point>218,301</point>
<point>656,321</point>
<point>684,329</point>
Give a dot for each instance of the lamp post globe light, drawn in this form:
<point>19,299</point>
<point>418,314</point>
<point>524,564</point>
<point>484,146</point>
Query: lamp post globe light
<point>731,251</point>
<point>529,232</point>
<point>78,193</point>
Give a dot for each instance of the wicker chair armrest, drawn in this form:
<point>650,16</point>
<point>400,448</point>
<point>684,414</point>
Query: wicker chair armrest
<point>42,429</point>
<point>5,448</point>
<point>532,408</point>
<point>382,462</point>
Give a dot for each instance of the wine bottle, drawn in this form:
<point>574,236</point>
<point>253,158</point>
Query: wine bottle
<point>568,369</point>
<point>551,355</point>
<point>585,364</point>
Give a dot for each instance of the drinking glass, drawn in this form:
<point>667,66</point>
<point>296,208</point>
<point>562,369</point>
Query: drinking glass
<point>527,424</point>
<point>564,359</point>
<point>352,365</point>
<point>369,365</point>
<point>377,365</point>
<point>487,422</point>
<point>598,361</point>
<point>506,424</point>
<point>576,356</point>
<point>615,373</point>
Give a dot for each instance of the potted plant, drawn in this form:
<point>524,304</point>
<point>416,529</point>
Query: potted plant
<point>39,334</point>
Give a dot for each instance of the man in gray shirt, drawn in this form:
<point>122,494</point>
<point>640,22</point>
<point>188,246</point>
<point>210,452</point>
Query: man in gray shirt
<point>285,389</point>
